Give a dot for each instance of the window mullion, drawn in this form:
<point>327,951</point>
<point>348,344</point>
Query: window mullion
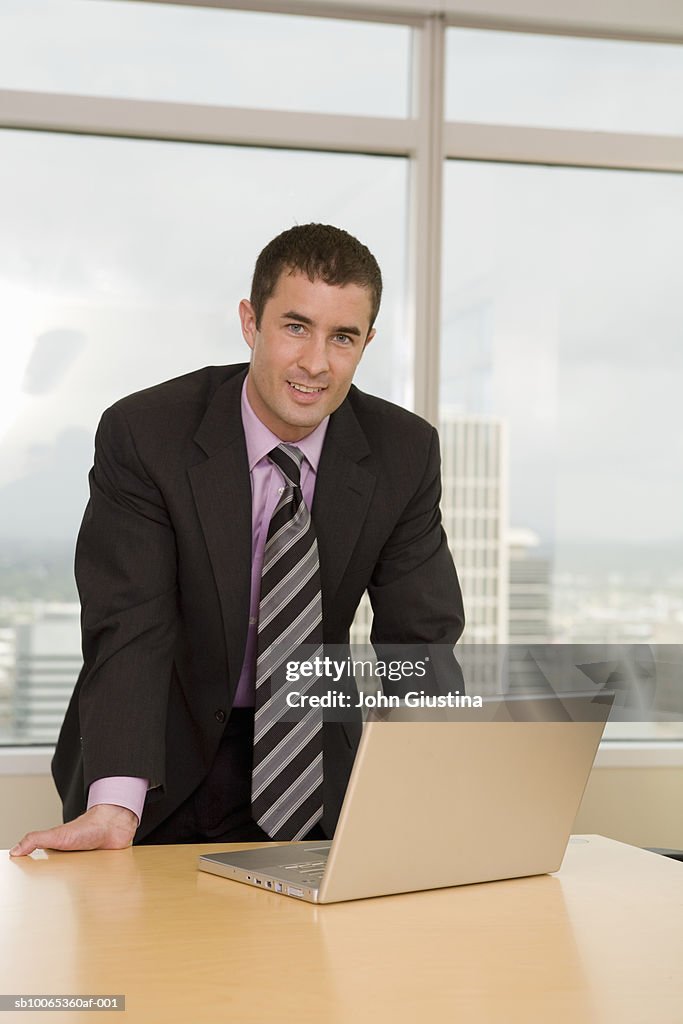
<point>425,212</point>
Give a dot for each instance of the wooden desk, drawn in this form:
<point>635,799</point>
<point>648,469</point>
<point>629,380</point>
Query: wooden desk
<point>602,941</point>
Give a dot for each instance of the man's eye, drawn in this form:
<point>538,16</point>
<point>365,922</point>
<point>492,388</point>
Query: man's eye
<point>295,328</point>
<point>343,338</point>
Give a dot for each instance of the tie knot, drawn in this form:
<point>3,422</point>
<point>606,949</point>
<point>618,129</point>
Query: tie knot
<point>288,459</point>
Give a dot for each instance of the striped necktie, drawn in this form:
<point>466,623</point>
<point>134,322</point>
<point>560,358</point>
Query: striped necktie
<point>287,775</point>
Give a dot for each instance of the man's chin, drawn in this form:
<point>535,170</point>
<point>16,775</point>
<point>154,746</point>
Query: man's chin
<point>297,423</point>
<point>305,415</point>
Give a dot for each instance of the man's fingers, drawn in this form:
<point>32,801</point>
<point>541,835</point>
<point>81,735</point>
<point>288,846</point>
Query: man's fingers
<point>23,847</point>
<point>31,841</point>
<point>61,837</point>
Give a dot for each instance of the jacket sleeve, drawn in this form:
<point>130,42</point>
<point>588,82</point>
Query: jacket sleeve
<point>414,590</point>
<point>126,569</point>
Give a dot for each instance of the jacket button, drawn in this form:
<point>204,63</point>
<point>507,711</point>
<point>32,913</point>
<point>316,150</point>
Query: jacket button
<point>219,715</point>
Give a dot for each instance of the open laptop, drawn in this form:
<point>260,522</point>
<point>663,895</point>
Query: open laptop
<point>478,795</point>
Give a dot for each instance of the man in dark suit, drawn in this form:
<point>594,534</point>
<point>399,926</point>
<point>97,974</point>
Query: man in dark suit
<point>156,744</point>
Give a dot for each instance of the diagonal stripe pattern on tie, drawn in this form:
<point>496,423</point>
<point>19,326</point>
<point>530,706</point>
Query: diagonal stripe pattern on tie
<point>287,774</point>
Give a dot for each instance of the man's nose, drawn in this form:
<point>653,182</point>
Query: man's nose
<point>313,357</point>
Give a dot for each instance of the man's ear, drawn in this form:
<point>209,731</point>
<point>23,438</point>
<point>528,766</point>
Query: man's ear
<point>248,321</point>
<point>371,335</point>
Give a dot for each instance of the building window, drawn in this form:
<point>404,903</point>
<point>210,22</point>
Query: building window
<point>123,262</point>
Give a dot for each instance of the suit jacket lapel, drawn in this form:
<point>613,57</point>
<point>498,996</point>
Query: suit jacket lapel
<point>343,492</point>
<point>222,493</point>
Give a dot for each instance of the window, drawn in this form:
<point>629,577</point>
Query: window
<point>122,263</point>
<point>563,82</point>
<point>553,373</point>
<point>561,332</point>
<point>160,51</point>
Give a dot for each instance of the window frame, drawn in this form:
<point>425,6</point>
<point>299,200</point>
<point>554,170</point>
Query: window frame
<point>424,138</point>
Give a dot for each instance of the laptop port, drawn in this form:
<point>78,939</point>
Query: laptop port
<point>278,887</point>
<point>258,881</point>
<point>269,884</point>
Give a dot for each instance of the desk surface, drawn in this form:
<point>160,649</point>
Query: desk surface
<point>601,941</point>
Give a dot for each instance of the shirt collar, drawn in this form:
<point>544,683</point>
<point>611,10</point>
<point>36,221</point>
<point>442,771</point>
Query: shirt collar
<point>260,440</point>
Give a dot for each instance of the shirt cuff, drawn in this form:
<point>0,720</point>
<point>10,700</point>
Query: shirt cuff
<point>123,790</point>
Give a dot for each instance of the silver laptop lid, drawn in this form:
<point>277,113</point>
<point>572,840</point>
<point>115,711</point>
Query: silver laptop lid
<point>469,796</point>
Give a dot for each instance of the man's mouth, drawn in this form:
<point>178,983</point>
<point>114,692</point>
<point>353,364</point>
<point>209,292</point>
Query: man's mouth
<point>304,388</point>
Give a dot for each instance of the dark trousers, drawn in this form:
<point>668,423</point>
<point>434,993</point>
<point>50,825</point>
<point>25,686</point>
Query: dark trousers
<point>219,810</point>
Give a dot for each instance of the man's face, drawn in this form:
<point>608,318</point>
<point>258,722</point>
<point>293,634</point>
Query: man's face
<point>306,352</point>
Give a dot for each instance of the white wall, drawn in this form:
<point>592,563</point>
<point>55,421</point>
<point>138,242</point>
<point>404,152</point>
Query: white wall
<point>27,802</point>
<point>641,806</point>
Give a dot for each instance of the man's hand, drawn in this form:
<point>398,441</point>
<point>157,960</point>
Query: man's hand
<point>103,827</point>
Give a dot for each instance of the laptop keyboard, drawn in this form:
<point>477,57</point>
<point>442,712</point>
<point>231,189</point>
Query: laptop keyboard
<point>312,870</point>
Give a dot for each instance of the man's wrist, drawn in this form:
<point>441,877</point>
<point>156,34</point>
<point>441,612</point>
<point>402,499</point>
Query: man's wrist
<point>123,791</point>
<point>115,812</point>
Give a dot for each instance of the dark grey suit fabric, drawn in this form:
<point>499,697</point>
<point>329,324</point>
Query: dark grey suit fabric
<point>163,572</point>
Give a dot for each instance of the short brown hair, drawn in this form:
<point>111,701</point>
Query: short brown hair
<point>322,252</point>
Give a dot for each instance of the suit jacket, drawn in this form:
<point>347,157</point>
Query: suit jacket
<point>163,572</point>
